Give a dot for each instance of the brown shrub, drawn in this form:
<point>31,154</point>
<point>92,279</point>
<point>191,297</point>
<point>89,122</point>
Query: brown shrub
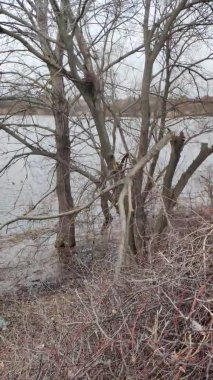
<point>154,323</point>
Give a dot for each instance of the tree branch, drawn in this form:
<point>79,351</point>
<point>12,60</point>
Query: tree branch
<point>125,181</point>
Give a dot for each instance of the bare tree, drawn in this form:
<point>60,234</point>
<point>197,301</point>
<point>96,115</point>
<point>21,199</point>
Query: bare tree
<point>59,34</point>
<point>69,55</point>
<point>174,25</point>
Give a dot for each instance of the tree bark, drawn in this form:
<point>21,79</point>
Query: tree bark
<point>171,195</point>
<point>66,226</point>
<point>60,109</point>
<point>131,246</point>
<point>106,213</point>
<point>140,214</point>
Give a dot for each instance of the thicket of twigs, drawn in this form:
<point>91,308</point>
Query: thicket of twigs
<point>154,323</point>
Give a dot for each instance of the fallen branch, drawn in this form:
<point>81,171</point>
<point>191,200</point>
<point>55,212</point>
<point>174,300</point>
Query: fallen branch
<point>127,189</point>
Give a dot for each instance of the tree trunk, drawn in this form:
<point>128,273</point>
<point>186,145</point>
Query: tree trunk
<point>60,109</point>
<point>170,195</point>
<point>106,213</point>
<point>66,227</point>
<point>131,246</point>
<point>140,214</point>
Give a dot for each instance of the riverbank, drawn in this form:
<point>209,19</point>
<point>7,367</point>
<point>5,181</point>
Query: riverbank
<point>126,107</point>
<point>155,322</point>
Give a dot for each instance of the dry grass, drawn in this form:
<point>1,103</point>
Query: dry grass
<point>154,323</point>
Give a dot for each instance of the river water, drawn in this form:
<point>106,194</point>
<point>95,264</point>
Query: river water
<point>26,249</point>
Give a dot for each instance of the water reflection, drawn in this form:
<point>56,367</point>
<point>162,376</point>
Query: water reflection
<point>31,261</point>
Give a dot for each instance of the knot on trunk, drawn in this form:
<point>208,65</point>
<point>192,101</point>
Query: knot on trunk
<point>89,82</point>
<point>177,142</point>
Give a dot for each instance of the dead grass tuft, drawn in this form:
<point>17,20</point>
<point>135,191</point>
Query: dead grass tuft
<point>154,323</point>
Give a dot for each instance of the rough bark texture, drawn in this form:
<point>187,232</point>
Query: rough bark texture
<point>60,109</point>
<point>66,227</point>
<point>140,214</point>
<point>106,213</point>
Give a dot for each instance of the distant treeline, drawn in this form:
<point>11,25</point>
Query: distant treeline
<point>126,107</point>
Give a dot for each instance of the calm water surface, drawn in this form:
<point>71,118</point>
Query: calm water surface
<point>26,259</point>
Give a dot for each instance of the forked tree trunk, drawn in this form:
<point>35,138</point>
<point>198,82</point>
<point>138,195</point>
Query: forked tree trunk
<point>66,226</point>
<point>171,195</point>
<point>177,144</point>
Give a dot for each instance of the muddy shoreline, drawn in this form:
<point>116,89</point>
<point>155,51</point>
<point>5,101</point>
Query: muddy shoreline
<point>31,266</point>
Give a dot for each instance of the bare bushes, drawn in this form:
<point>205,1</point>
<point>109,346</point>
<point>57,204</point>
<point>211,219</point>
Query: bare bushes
<point>154,323</point>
